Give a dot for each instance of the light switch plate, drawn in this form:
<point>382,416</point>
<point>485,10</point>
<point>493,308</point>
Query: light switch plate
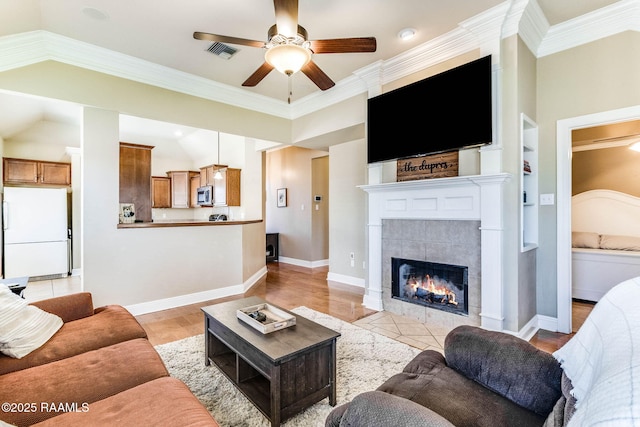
<point>547,199</point>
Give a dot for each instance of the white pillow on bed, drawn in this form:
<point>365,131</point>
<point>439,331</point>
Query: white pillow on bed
<point>585,239</point>
<point>23,327</point>
<point>620,243</point>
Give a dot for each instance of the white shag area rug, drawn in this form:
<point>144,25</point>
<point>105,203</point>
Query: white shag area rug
<point>365,360</point>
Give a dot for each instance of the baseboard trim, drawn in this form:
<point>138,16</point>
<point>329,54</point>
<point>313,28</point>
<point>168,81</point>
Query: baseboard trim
<point>547,323</point>
<point>194,298</point>
<point>347,280</point>
<point>303,263</point>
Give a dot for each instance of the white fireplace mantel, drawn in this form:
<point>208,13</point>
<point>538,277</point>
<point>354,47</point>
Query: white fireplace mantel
<point>476,197</point>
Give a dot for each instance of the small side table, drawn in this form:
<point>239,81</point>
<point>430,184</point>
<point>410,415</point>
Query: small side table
<point>17,285</point>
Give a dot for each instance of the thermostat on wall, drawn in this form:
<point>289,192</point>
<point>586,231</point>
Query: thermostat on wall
<point>317,198</point>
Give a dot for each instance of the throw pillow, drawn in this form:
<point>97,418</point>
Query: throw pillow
<point>584,239</point>
<point>621,243</point>
<point>23,327</point>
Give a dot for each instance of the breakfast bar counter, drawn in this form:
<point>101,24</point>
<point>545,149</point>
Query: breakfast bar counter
<point>185,223</point>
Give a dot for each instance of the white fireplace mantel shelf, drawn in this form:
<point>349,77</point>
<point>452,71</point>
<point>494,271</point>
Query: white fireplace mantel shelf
<point>455,181</point>
<point>477,197</point>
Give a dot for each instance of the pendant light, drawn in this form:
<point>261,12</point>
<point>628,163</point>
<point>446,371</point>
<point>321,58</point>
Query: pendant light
<point>218,175</point>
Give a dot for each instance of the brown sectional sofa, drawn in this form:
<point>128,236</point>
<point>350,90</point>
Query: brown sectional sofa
<point>98,369</point>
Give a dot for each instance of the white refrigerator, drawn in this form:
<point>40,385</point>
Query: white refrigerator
<point>36,239</point>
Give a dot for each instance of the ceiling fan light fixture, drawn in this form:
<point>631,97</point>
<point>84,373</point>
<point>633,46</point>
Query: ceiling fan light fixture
<point>288,58</point>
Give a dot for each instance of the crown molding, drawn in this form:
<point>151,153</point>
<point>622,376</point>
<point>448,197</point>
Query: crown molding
<point>533,25</point>
<point>36,46</point>
<point>616,18</point>
<point>483,31</point>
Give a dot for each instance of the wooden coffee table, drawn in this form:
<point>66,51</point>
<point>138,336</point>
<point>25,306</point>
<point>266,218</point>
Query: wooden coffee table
<point>282,372</point>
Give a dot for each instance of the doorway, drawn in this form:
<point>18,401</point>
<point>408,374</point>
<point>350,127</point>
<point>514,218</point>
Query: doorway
<point>564,172</point>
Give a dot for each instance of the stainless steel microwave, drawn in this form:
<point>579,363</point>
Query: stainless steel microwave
<point>205,195</point>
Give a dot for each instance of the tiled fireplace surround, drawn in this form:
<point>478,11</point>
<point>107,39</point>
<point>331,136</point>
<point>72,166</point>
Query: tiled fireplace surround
<point>441,241</point>
<point>455,220</point>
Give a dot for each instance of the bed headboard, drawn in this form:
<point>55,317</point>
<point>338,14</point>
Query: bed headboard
<point>606,212</point>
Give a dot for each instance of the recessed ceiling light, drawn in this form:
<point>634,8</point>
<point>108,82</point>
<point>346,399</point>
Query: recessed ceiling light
<point>94,13</point>
<point>635,146</point>
<point>407,33</point>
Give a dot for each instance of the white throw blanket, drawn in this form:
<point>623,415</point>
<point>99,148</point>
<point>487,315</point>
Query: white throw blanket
<point>603,360</point>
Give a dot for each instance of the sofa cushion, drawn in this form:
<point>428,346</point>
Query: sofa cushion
<point>110,325</point>
<point>378,409</point>
<point>164,401</point>
<point>68,307</point>
<point>460,400</point>
<point>23,328</point>
<point>507,365</point>
<point>80,380</point>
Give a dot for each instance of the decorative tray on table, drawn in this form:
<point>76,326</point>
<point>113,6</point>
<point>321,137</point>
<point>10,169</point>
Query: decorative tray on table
<point>266,318</point>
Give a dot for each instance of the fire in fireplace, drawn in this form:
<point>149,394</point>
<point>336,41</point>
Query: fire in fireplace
<point>440,286</point>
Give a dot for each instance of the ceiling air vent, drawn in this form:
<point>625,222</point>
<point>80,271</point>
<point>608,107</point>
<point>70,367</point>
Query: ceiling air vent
<point>222,50</point>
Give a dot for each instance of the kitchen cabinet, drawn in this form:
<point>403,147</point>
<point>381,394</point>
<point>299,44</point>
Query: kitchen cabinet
<point>135,178</point>
<point>207,174</point>
<point>160,192</point>
<point>195,183</point>
<point>35,172</point>
<point>181,188</point>
<point>226,190</point>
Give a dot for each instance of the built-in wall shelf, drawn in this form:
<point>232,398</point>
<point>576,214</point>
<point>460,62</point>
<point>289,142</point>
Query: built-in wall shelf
<point>528,184</point>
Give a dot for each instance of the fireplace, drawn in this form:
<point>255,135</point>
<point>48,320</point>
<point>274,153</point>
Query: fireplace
<point>434,285</point>
<point>457,220</point>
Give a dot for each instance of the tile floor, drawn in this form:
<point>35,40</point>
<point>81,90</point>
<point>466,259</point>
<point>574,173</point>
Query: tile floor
<point>406,330</point>
<point>43,289</point>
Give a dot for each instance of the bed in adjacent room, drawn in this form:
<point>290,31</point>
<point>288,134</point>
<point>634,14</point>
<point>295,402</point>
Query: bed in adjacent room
<point>605,241</point>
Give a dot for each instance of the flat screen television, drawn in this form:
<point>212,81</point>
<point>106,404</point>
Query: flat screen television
<point>449,111</point>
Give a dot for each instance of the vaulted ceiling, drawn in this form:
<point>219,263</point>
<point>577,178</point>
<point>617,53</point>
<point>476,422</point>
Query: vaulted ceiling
<point>159,34</point>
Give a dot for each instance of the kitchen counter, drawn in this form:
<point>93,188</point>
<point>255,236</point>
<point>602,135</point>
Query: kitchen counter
<point>185,223</point>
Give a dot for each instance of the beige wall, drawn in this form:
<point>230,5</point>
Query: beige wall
<point>320,210</point>
<point>348,210</point>
<point>144,266</point>
<point>615,169</point>
<point>592,78</point>
<point>291,168</point>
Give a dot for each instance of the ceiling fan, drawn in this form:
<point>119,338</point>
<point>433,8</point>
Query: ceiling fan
<point>289,50</point>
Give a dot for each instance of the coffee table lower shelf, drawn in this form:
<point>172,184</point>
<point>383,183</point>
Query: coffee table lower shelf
<point>279,388</point>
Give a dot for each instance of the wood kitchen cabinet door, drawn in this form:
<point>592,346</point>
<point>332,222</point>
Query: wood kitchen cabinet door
<point>20,171</point>
<point>181,188</point>
<point>226,191</point>
<point>195,183</point>
<point>161,192</point>
<point>55,173</point>
<point>135,178</point>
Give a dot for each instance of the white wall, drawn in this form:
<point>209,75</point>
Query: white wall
<point>135,266</point>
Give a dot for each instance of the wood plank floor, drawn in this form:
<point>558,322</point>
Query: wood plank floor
<point>290,286</point>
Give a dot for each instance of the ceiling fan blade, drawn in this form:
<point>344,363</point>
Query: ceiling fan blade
<point>349,45</point>
<point>258,75</point>
<point>317,76</point>
<point>226,39</point>
<point>286,17</point>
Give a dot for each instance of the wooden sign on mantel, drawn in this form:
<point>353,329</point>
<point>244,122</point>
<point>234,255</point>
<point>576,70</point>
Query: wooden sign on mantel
<point>433,166</point>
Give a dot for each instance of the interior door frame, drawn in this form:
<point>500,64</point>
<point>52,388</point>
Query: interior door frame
<point>563,156</point>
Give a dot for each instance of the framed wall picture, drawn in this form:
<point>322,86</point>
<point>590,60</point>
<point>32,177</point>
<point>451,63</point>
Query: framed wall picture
<point>282,197</point>
<point>127,213</point>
